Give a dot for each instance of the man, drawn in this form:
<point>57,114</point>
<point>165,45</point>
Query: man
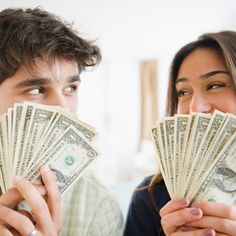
<point>41,59</point>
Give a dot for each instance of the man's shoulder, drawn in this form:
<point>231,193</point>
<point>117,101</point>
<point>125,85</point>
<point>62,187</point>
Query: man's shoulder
<point>88,185</point>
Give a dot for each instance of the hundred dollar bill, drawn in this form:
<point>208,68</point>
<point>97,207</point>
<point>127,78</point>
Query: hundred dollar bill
<point>68,157</point>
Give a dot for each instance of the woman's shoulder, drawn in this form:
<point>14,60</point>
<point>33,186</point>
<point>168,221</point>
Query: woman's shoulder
<point>159,192</point>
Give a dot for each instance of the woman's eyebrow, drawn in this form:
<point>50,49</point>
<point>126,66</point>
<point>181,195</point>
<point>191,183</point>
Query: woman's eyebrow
<point>212,73</point>
<point>204,76</point>
<point>182,79</point>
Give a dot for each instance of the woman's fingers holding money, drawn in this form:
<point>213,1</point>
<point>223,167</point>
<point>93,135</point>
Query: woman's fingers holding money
<point>174,215</point>
<point>217,209</point>
<point>53,196</point>
<point>197,232</point>
<point>174,205</point>
<point>219,216</point>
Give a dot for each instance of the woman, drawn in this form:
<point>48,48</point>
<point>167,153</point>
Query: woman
<point>202,79</point>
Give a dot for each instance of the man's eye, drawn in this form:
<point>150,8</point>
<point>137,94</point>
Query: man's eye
<point>216,85</point>
<point>182,93</point>
<point>70,89</point>
<point>35,91</point>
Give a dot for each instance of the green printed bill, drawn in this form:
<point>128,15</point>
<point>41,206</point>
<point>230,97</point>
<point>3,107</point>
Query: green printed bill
<point>32,135</point>
<point>197,155</point>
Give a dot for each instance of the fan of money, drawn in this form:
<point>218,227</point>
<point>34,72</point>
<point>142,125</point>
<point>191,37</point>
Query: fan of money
<point>197,155</point>
<point>32,135</point>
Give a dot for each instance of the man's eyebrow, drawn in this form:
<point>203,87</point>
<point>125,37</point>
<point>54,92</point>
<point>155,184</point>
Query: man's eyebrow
<point>74,78</point>
<point>33,82</point>
<point>204,76</point>
<point>44,81</point>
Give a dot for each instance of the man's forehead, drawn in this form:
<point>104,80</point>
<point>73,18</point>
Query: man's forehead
<point>58,70</point>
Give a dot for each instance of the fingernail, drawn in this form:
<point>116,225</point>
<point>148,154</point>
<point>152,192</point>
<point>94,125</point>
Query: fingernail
<point>42,190</point>
<point>195,211</point>
<point>209,232</point>
<point>17,179</point>
<point>184,202</point>
<point>45,168</point>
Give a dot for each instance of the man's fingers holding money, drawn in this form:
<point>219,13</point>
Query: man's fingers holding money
<point>11,198</point>
<point>44,223</point>
<point>11,219</point>
<point>53,196</point>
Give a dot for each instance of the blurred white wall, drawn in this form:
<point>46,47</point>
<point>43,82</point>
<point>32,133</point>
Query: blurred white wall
<point>128,31</point>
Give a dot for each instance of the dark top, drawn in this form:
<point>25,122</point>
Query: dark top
<point>142,218</point>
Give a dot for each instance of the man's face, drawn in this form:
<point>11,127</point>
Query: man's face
<point>56,85</point>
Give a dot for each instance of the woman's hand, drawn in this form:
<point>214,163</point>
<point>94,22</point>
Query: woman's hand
<point>219,216</point>
<point>46,213</point>
<point>177,213</point>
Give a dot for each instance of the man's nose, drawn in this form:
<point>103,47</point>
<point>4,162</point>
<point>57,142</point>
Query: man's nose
<point>201,103</point>
<point>56,99</point>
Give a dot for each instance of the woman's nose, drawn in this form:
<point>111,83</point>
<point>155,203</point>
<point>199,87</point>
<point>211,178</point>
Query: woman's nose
<point>201,103</point>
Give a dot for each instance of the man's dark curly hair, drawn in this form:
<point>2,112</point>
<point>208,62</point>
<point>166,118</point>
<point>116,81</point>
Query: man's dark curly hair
<point>30,34</point>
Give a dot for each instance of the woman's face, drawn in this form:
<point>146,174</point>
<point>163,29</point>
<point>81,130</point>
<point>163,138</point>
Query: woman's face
<point>203,84</point>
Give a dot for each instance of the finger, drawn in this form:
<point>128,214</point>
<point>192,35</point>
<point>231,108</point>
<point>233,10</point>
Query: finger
<point>16,220</point>
<point>174,205</point>
<point>172,221</point>
<point>200,232</point>
<point>53,195</point>
<point>11,198</point>
<point>27,214</point>
<point>221,225</point>
<point>217,209</point>
<point>36,202</point>
<point>5,231</point>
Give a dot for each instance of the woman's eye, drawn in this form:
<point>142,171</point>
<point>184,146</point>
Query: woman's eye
<point>35,91</point>
<point>182,93</point>
<point>215,86</point>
